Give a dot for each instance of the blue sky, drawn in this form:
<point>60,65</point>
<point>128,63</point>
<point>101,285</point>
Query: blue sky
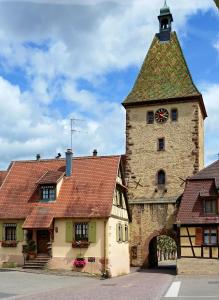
<point>79,59</point>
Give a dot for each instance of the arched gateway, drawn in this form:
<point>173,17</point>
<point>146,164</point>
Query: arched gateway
<point>164,139</point>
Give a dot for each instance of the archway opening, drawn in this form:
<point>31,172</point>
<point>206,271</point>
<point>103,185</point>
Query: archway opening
<point>162,252</point>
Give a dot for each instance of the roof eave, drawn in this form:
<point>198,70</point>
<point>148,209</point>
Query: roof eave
<point>166,101</point>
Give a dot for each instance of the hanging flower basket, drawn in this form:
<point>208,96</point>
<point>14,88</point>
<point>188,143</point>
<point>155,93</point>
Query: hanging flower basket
<point>79,262</point>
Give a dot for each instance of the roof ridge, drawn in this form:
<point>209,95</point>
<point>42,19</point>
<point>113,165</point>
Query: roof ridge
<point>63,159</point>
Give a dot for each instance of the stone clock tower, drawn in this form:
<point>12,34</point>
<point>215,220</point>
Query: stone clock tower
<point>165,116</point>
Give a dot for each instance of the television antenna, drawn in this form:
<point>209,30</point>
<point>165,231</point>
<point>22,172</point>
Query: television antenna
<point>73,130</point>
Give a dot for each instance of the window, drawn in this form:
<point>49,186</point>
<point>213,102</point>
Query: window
<point>81,232</point>
<point>150,117</point>
<point>119,232</point>
<point>210,206</point>
<point>161,144</point>
<point>161,178</point>
<point>174,115</point>
<point>119,198</point>
<point>210,236</point>
<point>164,24</point>
<point>126,233</point>
<point>48,193</point>
<point>10,232</point>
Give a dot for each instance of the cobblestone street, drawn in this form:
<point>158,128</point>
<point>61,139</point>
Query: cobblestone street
<point>138,285</point>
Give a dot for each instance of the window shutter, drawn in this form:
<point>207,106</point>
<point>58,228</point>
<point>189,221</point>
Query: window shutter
<point>69,231</point>
<point>123,233</point>
<point>92,232</point>
<point>117,232</point>
<point>19,232</point>
<point>198,236</point>
<point>1,231</point>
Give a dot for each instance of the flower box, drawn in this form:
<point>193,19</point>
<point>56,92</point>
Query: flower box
<point>80,244</point>
<point>9,244</point>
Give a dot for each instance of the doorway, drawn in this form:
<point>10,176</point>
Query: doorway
<point>43,238</point>
<point>162,252</point>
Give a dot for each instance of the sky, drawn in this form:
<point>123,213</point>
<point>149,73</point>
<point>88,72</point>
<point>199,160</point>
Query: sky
<point>63,59</point>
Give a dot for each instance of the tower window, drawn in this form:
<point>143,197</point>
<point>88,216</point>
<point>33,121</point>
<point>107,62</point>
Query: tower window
<point>161,177</point>
<point>174,115</point>
<point>150,117</point>
<point>161,144</point>
<point>164,24</point>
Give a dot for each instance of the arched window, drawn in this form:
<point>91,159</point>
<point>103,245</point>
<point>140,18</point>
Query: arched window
<point>161,177</point>
<point>164,24</point>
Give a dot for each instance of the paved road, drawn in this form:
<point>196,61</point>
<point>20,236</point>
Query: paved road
<point>136,286</point>
<point>148,285</point>
<point>193,288</point>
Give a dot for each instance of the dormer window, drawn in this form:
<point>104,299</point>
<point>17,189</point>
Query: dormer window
<point>48,193</point>
<point>210,206</point>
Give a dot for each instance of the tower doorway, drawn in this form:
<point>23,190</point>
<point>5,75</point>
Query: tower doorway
<point>162,252</point>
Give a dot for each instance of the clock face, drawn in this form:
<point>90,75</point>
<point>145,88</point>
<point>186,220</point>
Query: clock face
<point>161,115</point>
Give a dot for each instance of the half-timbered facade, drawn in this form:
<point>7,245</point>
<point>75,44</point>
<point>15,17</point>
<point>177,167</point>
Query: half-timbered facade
<point>198,222</point>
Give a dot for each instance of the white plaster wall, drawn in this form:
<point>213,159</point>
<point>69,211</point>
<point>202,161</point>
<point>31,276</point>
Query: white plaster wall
<point>118,252</point>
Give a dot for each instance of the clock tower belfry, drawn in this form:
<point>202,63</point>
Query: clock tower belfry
<point>165,116</point>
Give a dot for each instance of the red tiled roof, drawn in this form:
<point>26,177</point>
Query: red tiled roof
<point>51,177</point>
<point>2,176</point>
<point>40,217</point>
<point>191,206</point>
<point>87,193</point>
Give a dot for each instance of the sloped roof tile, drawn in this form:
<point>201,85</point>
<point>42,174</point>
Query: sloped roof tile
<point>87,193</point>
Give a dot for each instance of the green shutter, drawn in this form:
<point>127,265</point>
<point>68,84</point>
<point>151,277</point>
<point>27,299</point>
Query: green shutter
<point>69,232</point>
<point>19,232</point>
<point>117,232</point>
<point>1,231</point>
<point>123,233</point>
<point>92,232</point>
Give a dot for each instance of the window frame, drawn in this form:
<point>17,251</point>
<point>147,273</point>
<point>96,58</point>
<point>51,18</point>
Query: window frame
<point>48,189</point>
<point>149,119</point>
<point>120,233</point>
<point>174,119</point>
<point>158,180</point>
<point>213,206</point>
<point>210,229</point>
<point>10,236</point>
<point>160,149</point>
<point>84,231</point>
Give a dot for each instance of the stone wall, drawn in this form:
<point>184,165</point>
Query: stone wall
<point>153,207</point>
<point>197,266</point>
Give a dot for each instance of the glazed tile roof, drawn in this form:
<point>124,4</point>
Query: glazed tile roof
<point>87,193</point>
<point>164,74</point>
<point>191,206</point>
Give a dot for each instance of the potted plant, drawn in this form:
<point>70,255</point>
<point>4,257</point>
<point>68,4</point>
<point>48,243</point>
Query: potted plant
<point>79,261</point>
<point>30,249</point>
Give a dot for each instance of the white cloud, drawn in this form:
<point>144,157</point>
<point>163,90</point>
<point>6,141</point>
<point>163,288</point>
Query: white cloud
<point>54,46</point>
<point>211,98</point>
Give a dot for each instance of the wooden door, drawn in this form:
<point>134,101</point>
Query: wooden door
<point>43,239</point>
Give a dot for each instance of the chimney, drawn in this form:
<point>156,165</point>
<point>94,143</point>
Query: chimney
<point>95,152</point>
<point>68,167</point>
<point>38,157</point>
